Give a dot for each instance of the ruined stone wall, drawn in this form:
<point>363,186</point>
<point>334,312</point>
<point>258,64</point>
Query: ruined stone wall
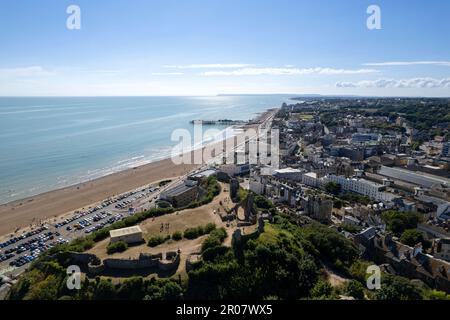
<point>82,258</point>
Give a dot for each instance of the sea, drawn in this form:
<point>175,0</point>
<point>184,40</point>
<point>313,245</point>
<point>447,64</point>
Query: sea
<point>47,143</point>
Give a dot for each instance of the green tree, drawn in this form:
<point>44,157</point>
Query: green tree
<point>171,291</point>
<point>104,290</point>
<point>333,188</point>
<point>411,237</point>
<point>131,289</point>
<point>436,295</point>
<point>397,221</point>
<point>358,270</point>
<point>397,288</point>
<point>323,290</point>
<point>330,245</point>
<point>215,239</point>
<point>44,290</point>
<point>262,203</point>
<point>354,289</point>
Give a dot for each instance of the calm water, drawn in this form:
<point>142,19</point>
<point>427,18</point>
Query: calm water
<point>49,143</point>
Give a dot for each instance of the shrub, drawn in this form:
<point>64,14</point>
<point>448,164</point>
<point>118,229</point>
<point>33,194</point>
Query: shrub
<point>210,242</point>
<point>358,270</point>
<point>119,246</point>
<point>155,241</point>
<point>354,289</point>
<point>210,254</point>
<point>322,291</point>
<point>177,236</point>
<point>191,233</point>
<point>215,239</point>
<point>350,228</point>
<point>262,203</point>
<point>210,227</point>
<point>164,182</point>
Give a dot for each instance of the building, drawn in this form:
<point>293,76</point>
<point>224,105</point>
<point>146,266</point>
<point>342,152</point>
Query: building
<point>442,206</point>
<point>406,261</point>
<point>235,169</point>
<point>350,220</point>
<point>353,153</point>
<point>256,185</point>
<point>317,208</point>
<point>366,137</point>
<point>289,174</point>
<point>182,194</point>
<point>367,188</point>
<point>128,235</point>
<point>310,179</point>
<point>443,249</point>
<point>421,179</point>
<point>202,175</point>
<point>446,149</point>
<point>285,193</point>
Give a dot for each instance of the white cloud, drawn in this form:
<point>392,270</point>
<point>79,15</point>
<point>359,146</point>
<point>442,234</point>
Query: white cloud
<point>408,63</point>
<point>167,73</point>
<point>423,83</point>
<point>34,71</point>
<point>209,66</point>
<point>287,71</point>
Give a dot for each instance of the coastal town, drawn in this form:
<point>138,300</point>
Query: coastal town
<point>356,182</point>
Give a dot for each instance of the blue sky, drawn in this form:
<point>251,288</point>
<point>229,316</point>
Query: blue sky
<point>207,47</point>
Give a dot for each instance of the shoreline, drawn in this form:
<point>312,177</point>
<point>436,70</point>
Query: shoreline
<point>51,204</point>
<point>23,213</point>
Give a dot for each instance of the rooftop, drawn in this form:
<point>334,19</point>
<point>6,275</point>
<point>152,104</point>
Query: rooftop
<point>311,175</point>
<point>204,173</point>
<point>125,231</point>
<point>288,170</point>
<point>180,188</point>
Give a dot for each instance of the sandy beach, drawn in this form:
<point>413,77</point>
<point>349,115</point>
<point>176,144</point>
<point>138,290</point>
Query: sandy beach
<point>22,213</point>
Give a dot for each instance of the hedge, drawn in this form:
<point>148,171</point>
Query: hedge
<point>157,240</point>
<point>119,246</point>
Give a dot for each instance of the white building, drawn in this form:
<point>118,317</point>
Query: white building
<point>128,235</point>
<point>310,179</point>
<point>367,188</point>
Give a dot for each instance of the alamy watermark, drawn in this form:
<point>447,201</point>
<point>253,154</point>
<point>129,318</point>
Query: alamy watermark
<point>246,146</point>
<point>374,20</point>
<point>73,21</point>
<point>74,277</point>
<point>374,280</point>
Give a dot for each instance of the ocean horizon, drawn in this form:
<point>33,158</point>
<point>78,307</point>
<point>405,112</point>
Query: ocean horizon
<point>50,143</point>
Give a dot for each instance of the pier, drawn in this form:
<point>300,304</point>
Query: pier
<point>224,122</point>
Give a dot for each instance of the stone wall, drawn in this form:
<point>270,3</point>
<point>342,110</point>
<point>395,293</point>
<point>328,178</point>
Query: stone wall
<point>83,258</point>
<point>170,261</point>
